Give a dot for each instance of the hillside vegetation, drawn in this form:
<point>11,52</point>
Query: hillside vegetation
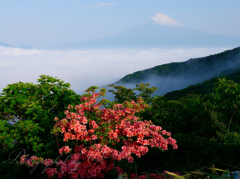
<point>205,87</point>
<point>206,127</point>
<point>211,65</point>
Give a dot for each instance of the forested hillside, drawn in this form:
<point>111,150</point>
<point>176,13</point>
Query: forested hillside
<point>205,87</point>
<point>193,68</point>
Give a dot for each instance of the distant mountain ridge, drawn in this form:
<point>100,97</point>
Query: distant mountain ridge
<point>5,45</point>
<point>21,46</point>
<point>159,31</point>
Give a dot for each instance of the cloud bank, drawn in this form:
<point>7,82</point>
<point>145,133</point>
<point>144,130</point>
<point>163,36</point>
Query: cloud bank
<point>85,68</point>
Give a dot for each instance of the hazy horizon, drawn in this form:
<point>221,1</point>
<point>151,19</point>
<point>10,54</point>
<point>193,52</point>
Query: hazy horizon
<point>83,68</point>
<point>40,23</point>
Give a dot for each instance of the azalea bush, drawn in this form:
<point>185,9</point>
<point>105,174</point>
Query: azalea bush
<point>26,113</point>
<point>127,126</point>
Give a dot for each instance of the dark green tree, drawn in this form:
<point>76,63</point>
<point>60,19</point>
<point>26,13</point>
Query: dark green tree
<point>207,130</point>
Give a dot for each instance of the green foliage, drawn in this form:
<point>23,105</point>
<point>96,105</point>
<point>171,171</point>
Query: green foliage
<point>124,94</point>
<point>27,112</point>
<point>206,127</point>
<point>199,174</point>
<point>205,87</point>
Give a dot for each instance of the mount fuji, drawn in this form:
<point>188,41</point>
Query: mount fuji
<point>159,31</point>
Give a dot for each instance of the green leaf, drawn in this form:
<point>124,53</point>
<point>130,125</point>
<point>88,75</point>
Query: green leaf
<point>5,110</point>
<point>208,174</point>
<point>24,90</point>
<point>20,100</point>
<point>13,102</point>
<point>175,175</point>
<point>12,87</point>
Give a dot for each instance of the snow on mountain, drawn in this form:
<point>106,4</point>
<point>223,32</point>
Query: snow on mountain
<point>159,31</point>
<point>162,19</point>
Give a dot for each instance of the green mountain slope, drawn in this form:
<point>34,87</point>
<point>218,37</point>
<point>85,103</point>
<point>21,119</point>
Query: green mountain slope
<point>205,87</point>
<point>192,68</point>
<point>171,78</point>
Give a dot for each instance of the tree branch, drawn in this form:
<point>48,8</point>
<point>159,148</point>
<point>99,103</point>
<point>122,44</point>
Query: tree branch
<point>230,121</point>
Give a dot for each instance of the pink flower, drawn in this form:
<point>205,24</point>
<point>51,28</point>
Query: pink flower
<point>66,112</point>
<point>48,162</point>
<point>51,171</point>
<point>64,149</point>
<point>94,137</point>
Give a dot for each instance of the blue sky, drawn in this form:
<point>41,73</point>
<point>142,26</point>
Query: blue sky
<point>39,23</point>
<point>51,22</point>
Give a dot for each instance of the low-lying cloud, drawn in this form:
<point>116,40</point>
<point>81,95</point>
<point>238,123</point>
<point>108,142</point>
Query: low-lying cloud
<point>85,68</point>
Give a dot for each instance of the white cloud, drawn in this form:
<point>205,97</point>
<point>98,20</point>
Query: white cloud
<point>18,51</point>
<point>102,4</point>
<point>85,68</point>
<point>162,19</point>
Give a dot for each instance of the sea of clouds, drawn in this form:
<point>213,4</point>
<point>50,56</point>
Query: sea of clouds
<point>85,68</point>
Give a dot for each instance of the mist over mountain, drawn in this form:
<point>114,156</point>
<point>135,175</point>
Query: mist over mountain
<point>21,46</point>
<point>179,75</point>
<point>5,45</point>
<point>159,31</point>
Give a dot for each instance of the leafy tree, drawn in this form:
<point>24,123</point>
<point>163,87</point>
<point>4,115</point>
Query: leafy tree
<point>123,94</point>
<point>206,128</point>
<point>27,112</point>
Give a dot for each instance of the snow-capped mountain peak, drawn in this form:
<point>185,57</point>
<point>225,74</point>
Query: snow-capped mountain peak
<point>162,19</point>
<point>159,31</point>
